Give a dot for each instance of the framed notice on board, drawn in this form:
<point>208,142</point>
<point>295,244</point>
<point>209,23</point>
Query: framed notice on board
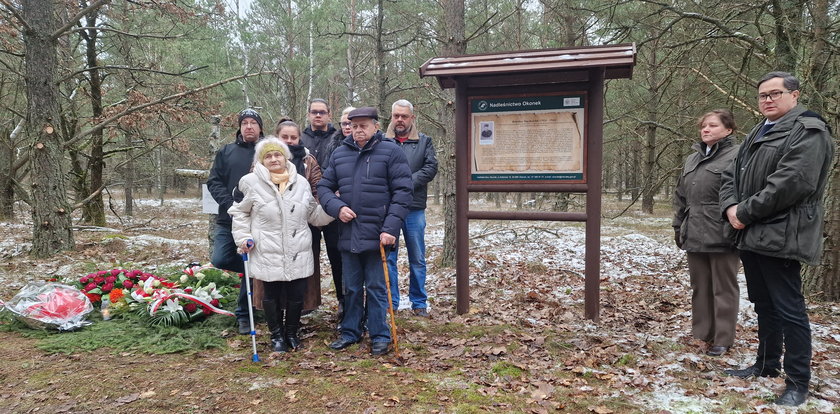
<point>528,139</point>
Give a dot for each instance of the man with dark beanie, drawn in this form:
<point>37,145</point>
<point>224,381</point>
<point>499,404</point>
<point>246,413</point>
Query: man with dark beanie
<point>321,138</point>
<point>232,162</point>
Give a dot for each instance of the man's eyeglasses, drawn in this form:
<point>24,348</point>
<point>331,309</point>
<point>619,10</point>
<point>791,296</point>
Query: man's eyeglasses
<point>322,113</point>
<point>345,124</point>
<point>772,95</point>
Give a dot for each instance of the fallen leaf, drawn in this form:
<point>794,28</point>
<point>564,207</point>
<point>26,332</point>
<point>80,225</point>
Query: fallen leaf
<point>128,398</point>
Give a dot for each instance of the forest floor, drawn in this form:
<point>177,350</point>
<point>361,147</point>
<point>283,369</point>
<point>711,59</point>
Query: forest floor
<point>525,345</point>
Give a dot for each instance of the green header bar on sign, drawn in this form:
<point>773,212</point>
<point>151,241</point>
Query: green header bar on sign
<point>533,103</point>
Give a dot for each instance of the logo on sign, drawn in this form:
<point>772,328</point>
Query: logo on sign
<point>482,105</point>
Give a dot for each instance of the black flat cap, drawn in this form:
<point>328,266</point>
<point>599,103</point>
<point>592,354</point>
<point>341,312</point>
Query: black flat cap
<point>364,112</point>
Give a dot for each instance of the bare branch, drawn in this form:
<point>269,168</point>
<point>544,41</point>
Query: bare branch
<point>724,27</point>
<point>165,99</point>
<point>75,19</point>
<point>134,35</point>
<point>120,67</point>
<point>88,198</point>
<point>16,15</point>
<point>723,91</point>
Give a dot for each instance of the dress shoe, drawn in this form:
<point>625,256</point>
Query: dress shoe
<point>791,397</point>
<point>342,343</point>
<point>717,350</point>
<point>380,348</point>
<point>244,327</point>
<point>752,371</point>
<point>421,312</point>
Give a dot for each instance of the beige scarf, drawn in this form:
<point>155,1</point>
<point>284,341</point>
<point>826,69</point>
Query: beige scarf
<point>281,179</point>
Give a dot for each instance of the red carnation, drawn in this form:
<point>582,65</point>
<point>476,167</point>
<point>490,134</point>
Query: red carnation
<point>237,286</point>
<point>133,274</point>
<point>115,272</point>
<point>102,273</point>
<point>188,290</point>
<point>190,307</point>
<point>241,274</point>
<point>90,286</point>
<point>128,284</point>
<point>205,310</point>
<point>110,279</point>
<point>94,298</point>
<point>215,302</point>
<point>107,287</point>
<point>98,280</point>
<point>84,280</point>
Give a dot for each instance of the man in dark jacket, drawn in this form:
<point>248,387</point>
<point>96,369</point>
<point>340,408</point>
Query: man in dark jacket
<point>373,182</point>
<point>321,138</point>
<point>420,153</point>
<point>232,162</point>
<point>772,194</point>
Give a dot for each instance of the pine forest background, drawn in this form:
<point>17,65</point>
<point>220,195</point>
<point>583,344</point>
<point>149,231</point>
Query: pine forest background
<point>103,95</point>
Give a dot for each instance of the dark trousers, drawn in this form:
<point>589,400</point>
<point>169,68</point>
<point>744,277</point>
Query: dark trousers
<point>774,286</point>
<point>330,232</point>
<point>285,292</point>
<point>226,258</point>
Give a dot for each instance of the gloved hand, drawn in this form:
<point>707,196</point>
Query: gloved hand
<point>677,239</point>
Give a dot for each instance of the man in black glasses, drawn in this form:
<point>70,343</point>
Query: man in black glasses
<point>321,138</point>
<point>772,195</point>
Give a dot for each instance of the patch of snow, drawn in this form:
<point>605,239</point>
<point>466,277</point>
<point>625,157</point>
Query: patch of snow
<point>146,240</point>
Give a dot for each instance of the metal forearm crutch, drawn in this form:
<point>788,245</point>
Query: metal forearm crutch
<point>255,357</point>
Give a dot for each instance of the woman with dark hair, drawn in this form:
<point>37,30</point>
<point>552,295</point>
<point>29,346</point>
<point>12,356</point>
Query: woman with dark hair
<point>704,233</point>
<point>307,166</point>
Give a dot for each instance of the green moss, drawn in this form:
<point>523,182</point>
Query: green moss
<point>626,360</point>
<point>507,370</point>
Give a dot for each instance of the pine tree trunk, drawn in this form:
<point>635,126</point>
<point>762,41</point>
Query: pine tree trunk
<point>128,177</point>
<point>51,223</point>
<point>7,189</point>
<point>94,209</point>
<point>823,281</point>
<point>455,44</point>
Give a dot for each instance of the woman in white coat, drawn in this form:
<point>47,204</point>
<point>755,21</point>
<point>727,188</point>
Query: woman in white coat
<point>274,213</point>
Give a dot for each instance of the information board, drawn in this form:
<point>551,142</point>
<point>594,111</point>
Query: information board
<point>533,138</point>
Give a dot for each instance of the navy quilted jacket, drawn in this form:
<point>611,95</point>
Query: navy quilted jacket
<point>375,182</point>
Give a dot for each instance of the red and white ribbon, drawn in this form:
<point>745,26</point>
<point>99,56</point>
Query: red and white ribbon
<point>154,306</point>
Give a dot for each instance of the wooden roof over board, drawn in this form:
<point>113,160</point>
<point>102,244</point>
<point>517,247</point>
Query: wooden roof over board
<point>617,61</point>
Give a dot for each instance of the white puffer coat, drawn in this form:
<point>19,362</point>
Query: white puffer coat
<point>277,223</point>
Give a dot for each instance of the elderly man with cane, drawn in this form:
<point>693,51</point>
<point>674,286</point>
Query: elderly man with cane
<point>367,186</point>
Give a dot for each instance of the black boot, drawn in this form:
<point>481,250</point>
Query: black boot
<point>293,311</point>
<point>274,319</point>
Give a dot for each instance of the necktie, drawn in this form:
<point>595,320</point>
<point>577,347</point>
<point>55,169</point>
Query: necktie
<point>763,130</point>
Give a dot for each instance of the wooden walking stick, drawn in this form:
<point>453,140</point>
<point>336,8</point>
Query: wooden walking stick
<point>390,300</point>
